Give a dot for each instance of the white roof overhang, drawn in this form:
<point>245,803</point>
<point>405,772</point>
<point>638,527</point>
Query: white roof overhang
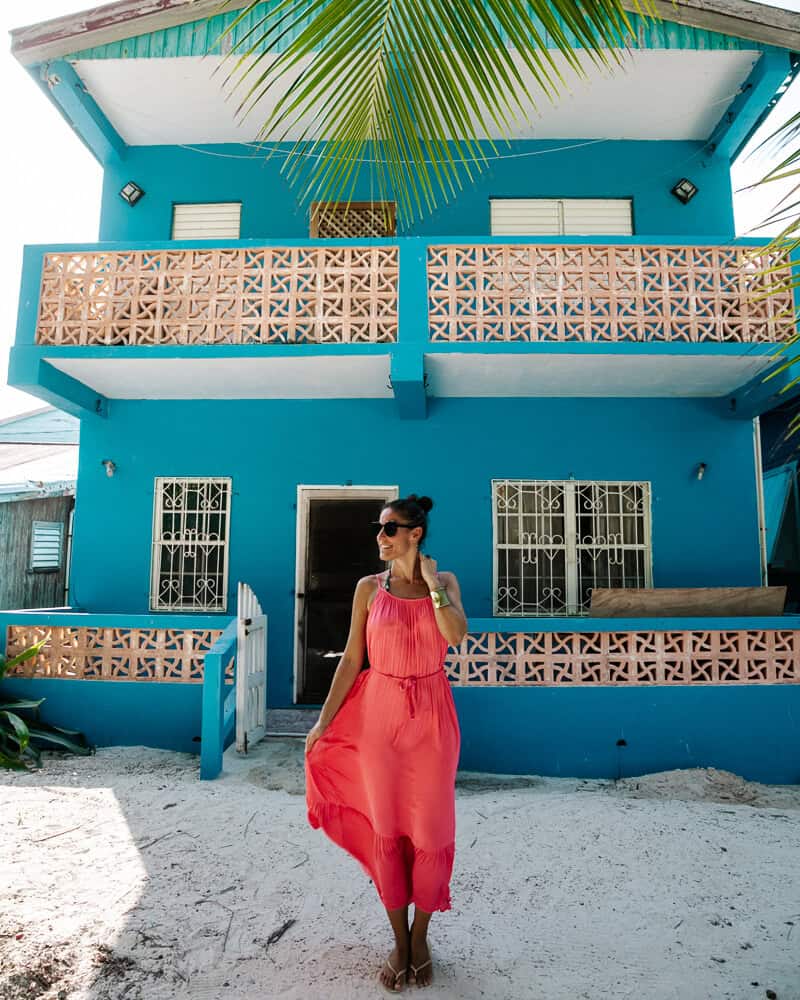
<point>653,95</point>
<point>537,373</point>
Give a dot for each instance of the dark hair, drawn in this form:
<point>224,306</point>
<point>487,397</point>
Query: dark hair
<point>415,509</point>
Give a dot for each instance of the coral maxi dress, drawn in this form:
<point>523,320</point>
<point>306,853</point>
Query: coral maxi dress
<point>380,781</point>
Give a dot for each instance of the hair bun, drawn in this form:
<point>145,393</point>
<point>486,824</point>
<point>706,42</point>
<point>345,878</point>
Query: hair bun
<point>426,503</point>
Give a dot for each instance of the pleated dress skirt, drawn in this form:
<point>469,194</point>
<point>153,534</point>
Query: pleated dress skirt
<point>380,781</point>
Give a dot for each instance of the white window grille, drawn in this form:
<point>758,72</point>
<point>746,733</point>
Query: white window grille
<point>555,540</point>
<point>207,221</point>
<point>47,540</point>
<point>190,544</point>
<point>561,216</point>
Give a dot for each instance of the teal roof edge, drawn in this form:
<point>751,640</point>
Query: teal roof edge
<point>203,37</point>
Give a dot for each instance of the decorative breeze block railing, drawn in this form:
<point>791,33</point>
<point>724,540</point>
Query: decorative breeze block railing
<point>114,654</point>
<point>625,658</point>
<point>607,293</point>
<point>266,295</point>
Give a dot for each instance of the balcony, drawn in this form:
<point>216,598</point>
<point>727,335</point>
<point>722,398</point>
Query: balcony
<point>409,317</point>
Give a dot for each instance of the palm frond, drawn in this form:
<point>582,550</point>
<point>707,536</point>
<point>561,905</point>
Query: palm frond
<point>413,95</point>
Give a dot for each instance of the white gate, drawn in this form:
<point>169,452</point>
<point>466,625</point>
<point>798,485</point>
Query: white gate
<point>251,670</point>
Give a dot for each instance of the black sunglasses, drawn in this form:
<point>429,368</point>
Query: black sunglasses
<point>390,527</point>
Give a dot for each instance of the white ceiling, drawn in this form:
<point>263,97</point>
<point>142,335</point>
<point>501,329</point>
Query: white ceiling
<point>589,374</point>
<point>450,374</point>
<point>656,94</point>
<point>324,377</point>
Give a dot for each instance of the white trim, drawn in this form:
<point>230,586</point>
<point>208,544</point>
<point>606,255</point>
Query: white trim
<point>68,556</point>
<point>762,519</point>
<point>305,494</point>
<point>112,22</point>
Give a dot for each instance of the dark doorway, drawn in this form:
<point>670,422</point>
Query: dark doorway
<point>340,549</point>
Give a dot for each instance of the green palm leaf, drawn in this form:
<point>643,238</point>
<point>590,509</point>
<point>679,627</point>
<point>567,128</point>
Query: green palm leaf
<point>15,729</point>
<point>414,94</point>
<point>21,741</point>
<point>15,661</point>
<point>786,243</point>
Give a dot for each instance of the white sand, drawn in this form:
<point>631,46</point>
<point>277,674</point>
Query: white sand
<point>129,878</point>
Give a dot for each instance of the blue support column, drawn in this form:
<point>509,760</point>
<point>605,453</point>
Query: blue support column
<point>747,108</point>
<point>408,356</point>
<point>761,394</point>
<point>218,710</point>
<point>64,87</point>
<point>211,729</point>
<point>30,372</point>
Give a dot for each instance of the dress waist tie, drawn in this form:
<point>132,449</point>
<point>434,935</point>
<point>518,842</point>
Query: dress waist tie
<point>408,683</point>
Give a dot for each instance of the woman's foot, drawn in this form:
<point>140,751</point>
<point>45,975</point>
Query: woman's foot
<point>421,966</point>
<point>394,974</point>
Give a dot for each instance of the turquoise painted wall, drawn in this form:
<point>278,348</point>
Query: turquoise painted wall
<point>704,533</point>
<point>644,171</point>
<point>750,729</point>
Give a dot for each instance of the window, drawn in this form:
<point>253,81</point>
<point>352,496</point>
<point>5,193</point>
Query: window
<point>561,217</point>
<point>555,540</point>
<point>190,545</point>
<point>47,540</point>
<point>333,220</point>
<point>207,221</point>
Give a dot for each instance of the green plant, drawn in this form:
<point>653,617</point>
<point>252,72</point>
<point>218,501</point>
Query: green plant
<point>411,93</point>
<point>22,740</point>
<point>786,244</point>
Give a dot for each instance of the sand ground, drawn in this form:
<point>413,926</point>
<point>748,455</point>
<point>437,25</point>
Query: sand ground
<point>122,877</point>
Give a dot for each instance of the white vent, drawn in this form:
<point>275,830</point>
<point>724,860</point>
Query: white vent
<point>561,217</point>
<point>46,543</point>
<point>207,221</point>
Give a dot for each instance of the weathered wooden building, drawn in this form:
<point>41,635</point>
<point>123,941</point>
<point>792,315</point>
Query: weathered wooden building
<point>38,466</point>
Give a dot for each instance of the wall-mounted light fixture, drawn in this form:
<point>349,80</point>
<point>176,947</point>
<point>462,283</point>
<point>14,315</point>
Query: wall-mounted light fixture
<point>110,467</point>
<point>700,471</point>
<point>684,190</point>
<point>131,193</point>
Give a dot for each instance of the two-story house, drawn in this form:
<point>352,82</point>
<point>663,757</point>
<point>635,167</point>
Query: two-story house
<point>568,357</point>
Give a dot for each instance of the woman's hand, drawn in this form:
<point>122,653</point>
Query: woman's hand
<point>428,568</point>
<point>314,735</point>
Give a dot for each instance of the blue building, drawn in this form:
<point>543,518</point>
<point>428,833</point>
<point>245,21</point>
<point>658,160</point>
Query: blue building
<point>568,357</point>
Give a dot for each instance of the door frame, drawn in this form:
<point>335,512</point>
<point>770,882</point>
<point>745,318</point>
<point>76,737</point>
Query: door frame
<point>305,494</point>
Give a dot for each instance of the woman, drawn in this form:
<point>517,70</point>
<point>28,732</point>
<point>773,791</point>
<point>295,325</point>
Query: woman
<point>381,760</point>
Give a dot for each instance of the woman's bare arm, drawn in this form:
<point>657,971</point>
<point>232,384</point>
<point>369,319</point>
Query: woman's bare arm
<point>351,662</point>
<point>451,619</point>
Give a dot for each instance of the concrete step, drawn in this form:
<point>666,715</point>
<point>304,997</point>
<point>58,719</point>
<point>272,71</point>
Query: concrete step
<point>290,721</point>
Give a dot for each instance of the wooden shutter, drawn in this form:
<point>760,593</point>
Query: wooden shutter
<point>335,220</point>
<point>207,221</point>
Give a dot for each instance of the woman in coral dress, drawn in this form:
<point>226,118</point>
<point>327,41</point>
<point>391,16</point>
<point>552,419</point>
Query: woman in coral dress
<point>381,760</point>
